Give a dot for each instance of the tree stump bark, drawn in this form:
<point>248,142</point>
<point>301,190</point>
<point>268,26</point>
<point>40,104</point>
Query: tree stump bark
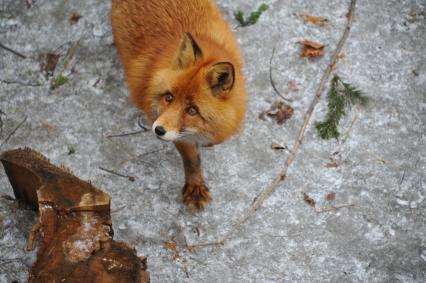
<point>76,236</point>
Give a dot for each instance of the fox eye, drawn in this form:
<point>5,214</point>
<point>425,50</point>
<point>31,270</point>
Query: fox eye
<point>192,111</point>
<point>168,97</point>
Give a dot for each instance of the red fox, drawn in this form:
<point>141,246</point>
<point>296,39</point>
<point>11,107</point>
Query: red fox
<point>184,70</point>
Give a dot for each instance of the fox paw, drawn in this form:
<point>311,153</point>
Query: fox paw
<point>196,197</point>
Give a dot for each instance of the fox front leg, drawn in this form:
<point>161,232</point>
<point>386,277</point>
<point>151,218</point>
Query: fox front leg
<point>196,195</point>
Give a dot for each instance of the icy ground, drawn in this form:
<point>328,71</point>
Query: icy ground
<point>380,168</point>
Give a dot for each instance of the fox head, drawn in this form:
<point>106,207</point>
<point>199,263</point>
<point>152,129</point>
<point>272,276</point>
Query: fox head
<point>200,96</point>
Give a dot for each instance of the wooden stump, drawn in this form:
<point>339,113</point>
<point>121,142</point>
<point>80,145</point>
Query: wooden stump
<point>75,226</point>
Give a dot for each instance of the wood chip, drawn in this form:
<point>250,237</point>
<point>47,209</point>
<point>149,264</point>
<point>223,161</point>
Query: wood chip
<point>330,197</point>
<point>74,18</point>
<point>276,146</point>
<point>308,200</point>
<point>311,49</point>
<point>316,20</point>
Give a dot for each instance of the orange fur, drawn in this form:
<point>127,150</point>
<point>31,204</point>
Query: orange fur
<point>151,43</point>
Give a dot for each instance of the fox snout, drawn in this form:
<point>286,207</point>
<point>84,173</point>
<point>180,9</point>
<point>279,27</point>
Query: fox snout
<point>163,133</point>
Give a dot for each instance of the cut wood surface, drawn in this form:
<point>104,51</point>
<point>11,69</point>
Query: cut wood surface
<point>75,226</point>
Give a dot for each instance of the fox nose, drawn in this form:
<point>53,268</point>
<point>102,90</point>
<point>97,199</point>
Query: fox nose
<point>160,131</point>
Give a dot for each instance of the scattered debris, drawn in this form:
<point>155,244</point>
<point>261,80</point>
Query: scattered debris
<point>140,124</point>
<point>59,81</point>
<point>48,62</point>
<point>71,150</point>
<point>316,20</point>
<point>276,146</point>
<point>330,197</point>
<point>252,19</point>
<point>292,85</point>
<point>74,18</point>
<point>131,179</point>
<point>79,247</point>
<point>308,200</point>
<point>172,246</point>
<point>311,49</point>
<point>340,96</point>
<point>280,111</point>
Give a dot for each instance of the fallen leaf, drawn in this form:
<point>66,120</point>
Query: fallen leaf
<point>330,197</point>
<point>316,20</point>
<point>311,49</point>
<point>281,112</point>
<point>276,146</point>
<point>311,44</point>
<point>74,18</point>
<point>172,246</point>
<point>342,56</point>
<point>308,200</point>
<point>48,62</point>
<point>332,165</point>
<point>262,115</point>
<point>292,85</point>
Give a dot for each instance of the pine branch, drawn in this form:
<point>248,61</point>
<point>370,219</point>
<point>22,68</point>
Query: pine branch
<point>341,96</point>
<point>253,18</point>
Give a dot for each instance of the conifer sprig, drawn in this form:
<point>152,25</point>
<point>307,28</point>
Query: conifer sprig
<point>341,97</point>
<point>253,18</point>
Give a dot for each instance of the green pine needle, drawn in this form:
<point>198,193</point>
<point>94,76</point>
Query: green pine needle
<point>58,81</point>
<point>253,18</point>
<point>341,96</point>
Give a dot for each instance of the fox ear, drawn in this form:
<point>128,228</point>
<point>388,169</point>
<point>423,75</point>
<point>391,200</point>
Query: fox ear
<point>221,77</point>
<point>189,52</point>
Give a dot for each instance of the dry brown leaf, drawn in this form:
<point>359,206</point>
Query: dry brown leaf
<point>74,18</point>
<point>316,20</point>
<point>276,146</point>
<point>342,56</point>
<point>280,111</point>
<point>311,44</point>
<point>311,49</point>
<point>333,164</point>
<point>308,200</point>
<point>292,85</point>
<point>330,197</point>
<point>172,246</point>
<point>48,62</point>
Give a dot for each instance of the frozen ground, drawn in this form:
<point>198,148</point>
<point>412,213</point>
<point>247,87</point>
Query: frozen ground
<point>381,239</point>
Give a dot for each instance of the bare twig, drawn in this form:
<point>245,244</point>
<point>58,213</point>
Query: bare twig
<point>13,51</point>
<point>21,83</point>
<point>131,178</point>
<point>272,80</point>
<point>334,208</point>
<point>283,174</point>
<point>13,132</point>
<point>143,127</point>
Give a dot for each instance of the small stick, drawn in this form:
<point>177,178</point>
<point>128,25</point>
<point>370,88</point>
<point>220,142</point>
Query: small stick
<point>272,80</point>
<point>125,135</point>
<point>144,129</point>
<point>131,179</point>
<point>334,207</point>
<point>13,132</point>
<point>13,51</point>
<point>283,174</point>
